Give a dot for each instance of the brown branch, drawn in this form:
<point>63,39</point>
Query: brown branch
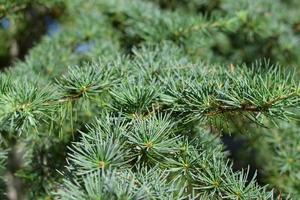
<point>226,109</point>
<point>73,97</point>
<point>221,109</point>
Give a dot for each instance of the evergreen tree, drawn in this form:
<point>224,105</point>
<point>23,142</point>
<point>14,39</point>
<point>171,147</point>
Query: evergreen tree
<point>131,99</point>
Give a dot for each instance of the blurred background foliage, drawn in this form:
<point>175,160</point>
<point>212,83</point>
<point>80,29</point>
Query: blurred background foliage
<point>23,23</point>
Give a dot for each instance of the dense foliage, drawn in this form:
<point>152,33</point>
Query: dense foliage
<point>131,99</point>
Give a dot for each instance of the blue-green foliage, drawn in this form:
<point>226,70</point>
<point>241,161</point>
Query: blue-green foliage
<point>130,98</point>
